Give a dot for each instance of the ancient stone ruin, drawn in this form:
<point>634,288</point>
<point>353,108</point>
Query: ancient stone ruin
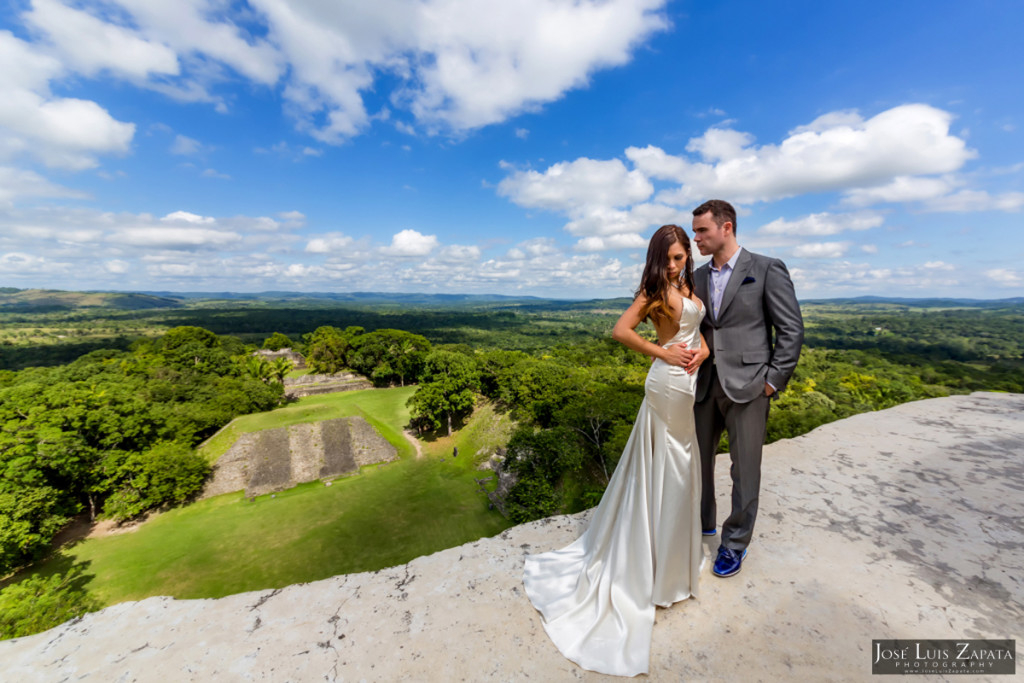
<point>311,385</point>
<point>297,359</point>
<point>277,459</point>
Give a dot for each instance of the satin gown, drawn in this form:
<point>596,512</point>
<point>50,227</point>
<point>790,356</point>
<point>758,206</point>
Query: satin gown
<point>597,596</point>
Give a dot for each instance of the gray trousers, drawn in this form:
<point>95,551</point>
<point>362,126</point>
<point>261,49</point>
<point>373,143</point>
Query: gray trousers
<point>746,425</point>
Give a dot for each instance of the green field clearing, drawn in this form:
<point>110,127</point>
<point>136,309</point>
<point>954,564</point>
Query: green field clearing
<point>387,515</point>
<point>383,408</point>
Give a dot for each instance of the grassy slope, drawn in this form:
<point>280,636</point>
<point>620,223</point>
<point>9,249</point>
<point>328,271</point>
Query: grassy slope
<point>383,408</point>
<point>389,515</point>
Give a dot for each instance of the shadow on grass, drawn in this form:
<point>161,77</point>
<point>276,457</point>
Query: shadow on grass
<point>37,599</point>
<point>432,435</point>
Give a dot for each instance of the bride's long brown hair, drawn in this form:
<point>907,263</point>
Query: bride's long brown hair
<point>654,283</point>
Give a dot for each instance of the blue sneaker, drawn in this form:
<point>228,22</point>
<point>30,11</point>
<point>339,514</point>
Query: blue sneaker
<point>728,562</point>
<point>709,532</point>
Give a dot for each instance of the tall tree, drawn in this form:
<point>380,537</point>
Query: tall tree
<point>327,349</point>
<point>446,390</point>
<point>257,367</point>
<point>280,367</point>
<point>277,341</point>
<point>389,356</point>
<point>594,413</point>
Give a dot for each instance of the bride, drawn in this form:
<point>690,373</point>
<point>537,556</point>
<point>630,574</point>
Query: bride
<point>643,548</point>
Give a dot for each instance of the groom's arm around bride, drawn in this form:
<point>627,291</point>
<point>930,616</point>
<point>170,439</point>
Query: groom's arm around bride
<point>754,332</point>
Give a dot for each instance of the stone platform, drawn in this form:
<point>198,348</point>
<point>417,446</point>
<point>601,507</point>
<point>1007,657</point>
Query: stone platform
<point>903,523</point>
<point>278,459</point>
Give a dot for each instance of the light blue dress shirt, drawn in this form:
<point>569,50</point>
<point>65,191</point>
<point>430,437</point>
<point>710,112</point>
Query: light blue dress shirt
<point>720,280</point>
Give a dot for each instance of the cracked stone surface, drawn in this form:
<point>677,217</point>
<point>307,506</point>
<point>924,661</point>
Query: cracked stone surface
<point>903,523</point>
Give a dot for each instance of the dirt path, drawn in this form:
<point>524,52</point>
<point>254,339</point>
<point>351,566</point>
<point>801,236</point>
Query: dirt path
<point>80,528</point>
<point>415,443</point>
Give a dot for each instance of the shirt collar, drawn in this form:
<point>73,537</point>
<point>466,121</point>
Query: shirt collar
<point>731,263</point>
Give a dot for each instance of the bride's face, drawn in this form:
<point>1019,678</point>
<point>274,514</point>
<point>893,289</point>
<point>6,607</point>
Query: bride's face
<point>676,262</point>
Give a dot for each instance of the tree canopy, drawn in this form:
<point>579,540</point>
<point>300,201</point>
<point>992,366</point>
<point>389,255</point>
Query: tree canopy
<point>448,384</point>
<point>113,432</point>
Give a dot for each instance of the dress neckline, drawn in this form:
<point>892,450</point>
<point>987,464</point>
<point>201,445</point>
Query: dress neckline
<point>679,320</point>
<point>697,303</point>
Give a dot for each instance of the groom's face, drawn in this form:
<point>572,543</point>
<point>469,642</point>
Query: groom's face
<point>708,235</point>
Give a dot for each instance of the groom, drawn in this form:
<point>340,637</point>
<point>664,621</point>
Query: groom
<point>747,297</point>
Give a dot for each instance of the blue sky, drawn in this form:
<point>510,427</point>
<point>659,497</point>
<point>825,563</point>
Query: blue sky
<point>521,147</point>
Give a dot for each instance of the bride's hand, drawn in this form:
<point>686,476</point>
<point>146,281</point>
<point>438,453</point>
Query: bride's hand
<point>677,354</point>
<point>698,357</point>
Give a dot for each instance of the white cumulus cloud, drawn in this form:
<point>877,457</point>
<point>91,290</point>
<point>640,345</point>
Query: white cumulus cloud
<point>328,243</point>
<point>458,65</point>
<point>1005,277</point>
<point>906,153</point>
<point>822,224</point>
<point>173,269</point>
<point>90,44</point>
<point>976,200</point>
<point>583,182</point>
<point>460,253</point>
<point>18,183</point>
<point>900,189</point>
<point>187,217</point>
<point>841,153</point>
<point>59,131</point>
<point>623,241</point>
<point>411,243</point>
<point>173,238</point>
<point>599,220</point>
<point>451,66</point>
<point>822,250</point>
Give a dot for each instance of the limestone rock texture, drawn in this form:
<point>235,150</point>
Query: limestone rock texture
<point>903,523</point>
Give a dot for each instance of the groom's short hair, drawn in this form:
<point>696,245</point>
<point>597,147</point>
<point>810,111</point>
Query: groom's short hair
<point>721,212</point>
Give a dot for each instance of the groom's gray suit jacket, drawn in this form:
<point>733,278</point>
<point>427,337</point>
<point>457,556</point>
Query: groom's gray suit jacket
<point>758,299</point>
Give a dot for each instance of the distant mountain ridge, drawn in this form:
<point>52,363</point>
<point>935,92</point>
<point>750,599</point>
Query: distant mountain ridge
<point>41,300</point>
<point>354,297</point>
<point>922,302</point>
<point>44,300</point>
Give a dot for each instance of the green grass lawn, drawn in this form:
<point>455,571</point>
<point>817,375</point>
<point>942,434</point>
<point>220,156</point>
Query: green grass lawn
<point>480,436</point>
<point>383,408</point>
<point>387,515</point>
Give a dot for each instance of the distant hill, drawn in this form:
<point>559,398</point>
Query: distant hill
<point>490,300</point>
<point>354,297</point>
<point>917,303</point>
<point>52,300</point>
<point>44,300</point>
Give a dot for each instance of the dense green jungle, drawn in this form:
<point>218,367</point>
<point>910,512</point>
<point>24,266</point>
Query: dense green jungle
<point>104,398</point>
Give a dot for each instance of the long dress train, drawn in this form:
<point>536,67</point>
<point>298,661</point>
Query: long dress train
<point>597,596</point>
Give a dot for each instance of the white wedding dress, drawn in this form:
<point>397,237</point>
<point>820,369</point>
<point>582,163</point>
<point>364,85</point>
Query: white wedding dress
<point>643,547</point>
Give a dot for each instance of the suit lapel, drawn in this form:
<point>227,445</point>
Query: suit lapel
<point>743,264</point>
